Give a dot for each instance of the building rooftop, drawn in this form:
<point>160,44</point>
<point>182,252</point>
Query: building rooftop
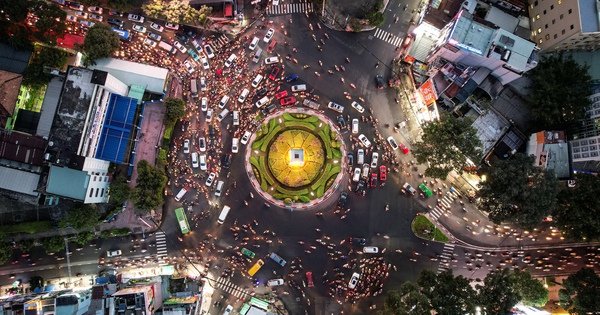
<point>67,182</point>
<point>13,60</point>
<point>20,181</point>
<point>9,92</point>
<point>502,19</point>
<point>520,49</point>
<point>49,105</point>
<point>588,14</point>
<point>471,36</point>
<point>133,73</point>
<point>18,148</point>
<point>490,127</point>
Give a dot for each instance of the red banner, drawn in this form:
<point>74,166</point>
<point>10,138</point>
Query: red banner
<point>428,92</point>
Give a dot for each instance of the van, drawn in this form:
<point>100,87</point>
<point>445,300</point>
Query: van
<point>223,214</point>
<point>236,118</point>
<point>203,166</point>
<point>230,60</point>
<point>168,48</point>
<point>242,97</point>
<point>271,60</point>
<point>194,88</point>
<point>299,88</point>
<point>310,104</point>
<point>253,43</point>
<point>219,189</point>
<point>223,101</point>
<point>257,80</point>
<point>223,114</point>
<point>180,194</point>
<point>228,310</point>
<point>256,57</point>
<point>194,159</point>
<point>370,250</point>
<point>365,170</point>
<point>262,102</point>
<point>275,282</point>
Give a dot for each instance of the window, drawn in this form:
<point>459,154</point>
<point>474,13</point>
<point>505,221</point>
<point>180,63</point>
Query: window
<point>553,21</point>
<point>572,27</point>
<point>562,16</point>
<point>570,11</point>
<point>563,32</point>
<point>547,37</point>
<point>552,7</point>
<point>540,41</point>
<point>546,26</point>
<point>555,36</point>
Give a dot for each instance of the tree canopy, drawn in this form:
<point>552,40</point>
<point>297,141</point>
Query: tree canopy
<point>578,212</point>
<point>498,295</point>
<point>447,294</point>
<point>519,192</point>
<point>446,144</point>
<point>6,249</point>
<point>53,244</point>
<point>558,93</point>
<point>36,74</point>
<point>406,300</point>
<point>177,12</point>
<point>82,217</point>
<point>100,42</point>
<point>175,111</point>
<point>531,291</point>
<point>50,22</point>
<point>119,190</point>
<point>580,292</point>
<point>147,194</point>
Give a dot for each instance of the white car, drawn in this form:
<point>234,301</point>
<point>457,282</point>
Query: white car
<point>203,84</point>
<point>97,10</point>
<point>202,144</point>
<point>336,107</point>
<point>96,17</point>
<point>149,42</point>
<point>275,282</point>
<point>209,51</point>
<point>114,253</point>
<point>209,115</point>
<point>155,37</point>
<point>186,146</point>
<point>87,23</point>
<point>188,66</point>
<point>210,179</point>
<point>361,156</point>
<point>139,28</point>
<point>392,142</point>
<point>246,137</point>
<point>157,27</point>
<point>355,125</point>
<point>135,18</point>
<point>179,46</point>
<point>356,176</point>
<point>71,18</point>
<point>204,104</point>
<point>269,35</point>
<point>205,63</point>
<point>358,107</point>
<point>363,139</point>
<point>203,166</point>
<point>370,250</point>
<point>235,145</point>
<point>374,159</point>
<point>271,60</point>
<point>353,281</point>
<point>81,15</point>
<point>172,26</point>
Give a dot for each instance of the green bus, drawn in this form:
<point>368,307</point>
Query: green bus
<point>182,219</point>
<point>248,253</point>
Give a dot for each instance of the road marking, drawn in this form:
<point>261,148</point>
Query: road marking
<point>388,37</point>
<point>161,247</point>
<point>289,8</point>
<point>225,285</point>
<point>444,264</point>
<point>219,42</point>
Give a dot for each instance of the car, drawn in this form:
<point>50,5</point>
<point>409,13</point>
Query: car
<point>197,46</point>
<point>135,18</point>
<point>374,159</point>
<point>203,84</point>
<point>373,179</point>
<point>96,17</point>
<point>382,173</point>
<point>425,190</point>
<point>370,250</point>
<point>157,27</point>
<point>404,149</point>
<point>114,253</point>
<point>230,60</point>
<point>409,189</point>
<point>208,115</point>
<point>275,282</point>
<point>172,26</point>
<point>235,145</point>
<point>379,80</point>
<point>290,100</point>
<point>281,94</point>
<point>76,6</point>
<point>246,137</point>
<point>139,28</point>
<point>269,35</point>
<point>271,60</point>
<point>356,175</point>
<point>179,46</point>
<point>97,10</point>
<point>341,121</point>
<point>115,22</point>
<point>193,54</point>
<point>361,187</point>
<point>353,281</point>
<point>392,142</point>
<point>205,64</point>
<point>350,158</point>
<point>210,179</point>
<point>358,107</point>
<point>365,170</point>
<point>204,104</point>
<point>358,241</point>
<point>209,51</point>
<point>291,77</point>
<point>269,109</point>
<point>274,73</point>
<point>182,37</point>
<point>228,310</point>
<point>81,15</point>
<point>87,23</point>
<point>343,200</point>
<point>278,259</point>
<point>151,43</point>
<point>271,47</point>
<point>188,66</point>
<point>355,125</point>
<point>202,144</point>
<point>186,146</point>
<point>155,37</point>
<point>335,107</point>
<point>365,142</point>
<point>71,18</point>
<point>360,156</point>
<point>309,279</point>
<point>114,12</point>
<point>262,92</point>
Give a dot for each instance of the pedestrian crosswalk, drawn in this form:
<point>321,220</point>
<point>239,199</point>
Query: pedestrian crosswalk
<point>443,205</point>
<point>289,8</point>
<point>220,41</point>
<point>225,285</point>
<point>388,37</point>
<point>446,257</point>
<point>161,247</point>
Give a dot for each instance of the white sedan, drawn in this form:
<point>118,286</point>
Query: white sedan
<point>179,46</point>
<point>157,27</point>
<point>139,28</point>
<point>363,139</point>
<point>246,137</point>
<point>211,179</point>
<point>269,35</point>
<point>358,107</point>
<point>188,66</point>
<point>205,64</point>
<point>353,280</point>
<point>392,142</point>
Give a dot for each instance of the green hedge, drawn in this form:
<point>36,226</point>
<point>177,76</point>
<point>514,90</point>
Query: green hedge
<point>262,164</point>
<point>267,139</point>
<point>304,199</point>
<point>292,192</point>
<point>27,227</point>
<point>300,124</point>
<point>320,182</point>
<point>168,132</point>
<point>115,232</point>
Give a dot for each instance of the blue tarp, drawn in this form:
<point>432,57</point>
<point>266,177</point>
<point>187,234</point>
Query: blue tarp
<point>102,280</point>
<point>117,129</point>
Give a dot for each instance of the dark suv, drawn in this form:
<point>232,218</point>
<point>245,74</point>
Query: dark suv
<point>115,22</point>
<point>343,200</point>
<point>379,82</point>
<point>358,241</point>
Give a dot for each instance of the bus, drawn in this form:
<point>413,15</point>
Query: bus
<point>256,268</point>
<point>194,88</point>
<point>182,219</point>
<point>123,34</point>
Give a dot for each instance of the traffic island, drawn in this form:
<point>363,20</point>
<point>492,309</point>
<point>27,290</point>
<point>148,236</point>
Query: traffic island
<point>425,229</point>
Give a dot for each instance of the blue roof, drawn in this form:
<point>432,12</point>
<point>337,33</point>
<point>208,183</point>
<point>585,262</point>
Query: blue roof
<point>67,182</point>
<point>117,129</point>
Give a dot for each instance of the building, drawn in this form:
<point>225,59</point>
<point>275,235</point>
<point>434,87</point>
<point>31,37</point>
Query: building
<point>138,300</point>
<point>565,25</point>
<point>68,302</point>
<point>551,152</point>
<point>585,143</point>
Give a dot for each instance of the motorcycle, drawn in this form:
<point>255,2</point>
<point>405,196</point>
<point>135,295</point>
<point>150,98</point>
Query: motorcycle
<point>317,74</point>
<point>295,60</point>
<point>319,25</point>
<point>361,99</point>
<point>347,60</point>
<point>343,68</point>
<point>336,68</point>
<point>314,37</point>
<point>342,79</point>
<point>396,20</point>
<point>352,85</point>
<point>306,66</point>
<point>405,7</point>
<point>330,72</point>
<point>310,26</point>
<point>322,41</point>
<point>320,63</point>
<point>326,36</point>
<point>387,207</point>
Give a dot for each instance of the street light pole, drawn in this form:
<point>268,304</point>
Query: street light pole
<point>68,258</point>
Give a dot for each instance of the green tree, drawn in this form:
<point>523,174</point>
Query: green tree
<point>376,18</point>
<point>532,291</point>
<point>147,194</point>
<point>36,75</point>
<point>36,282</point>
<point>84,238</point>
<point>355,25</point>
<point>121,5</point>
<point>177,12</point>
<point>50,23</point>
<point>100,42</point>
<point>558,93</point>
<point>445,146</point>
<point>6,249</point>
<point>175,111</point>
<point>26,245</point>
<point>447,294</point>
<point>53,244</point>
<point>580,292</point>
<point>517,191</point>
<point>406,300</point>
<point>119,190</point>
<point>13,29</point>
<point>154,8</point>
<point>81,217</point>
<point>578,212</point>
<point>498,295</point>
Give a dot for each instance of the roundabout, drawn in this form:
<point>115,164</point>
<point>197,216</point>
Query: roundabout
<point>295,159</point>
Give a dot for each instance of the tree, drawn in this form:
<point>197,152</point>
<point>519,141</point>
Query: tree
<point>580,292</point>
<point>517,191</point>
<point>154,9</point>
<point>175,111</point>
<point>446,293</point>
<point>53,244</point>
<point>578,212</point>
<point>100,42</point>
<point>6,249</point>
<point>558,93</point>
<point>119,190</point>
<point>445,146</point>
<point>406,300</point>
<point>497,295</point>
<point>81,217</point>
<point>147,194</point>
<point>355,25</point>
<point>50,21</point>
<point>26,245</point>
<point>532,291</point>
<point>36,74</point>
<point>84,238</point>
<point>36,282</point>
<point>176,11</point>
<point>376,18</point>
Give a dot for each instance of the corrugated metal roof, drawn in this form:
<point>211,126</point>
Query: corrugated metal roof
<point>137,92</point>
<point>20,181</point>
<point>49,106</point>
<point>13,60</point>
<point>66,182</point>
<point>23,148</point>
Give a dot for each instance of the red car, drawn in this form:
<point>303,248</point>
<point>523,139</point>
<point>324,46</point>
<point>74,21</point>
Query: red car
<point>404,149</point>
<point>382,173</point>
<point>281,94</point>
<point>274,73</point>
<point>290,100</point>
<point>373,179</point>
<point>309,279</point>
